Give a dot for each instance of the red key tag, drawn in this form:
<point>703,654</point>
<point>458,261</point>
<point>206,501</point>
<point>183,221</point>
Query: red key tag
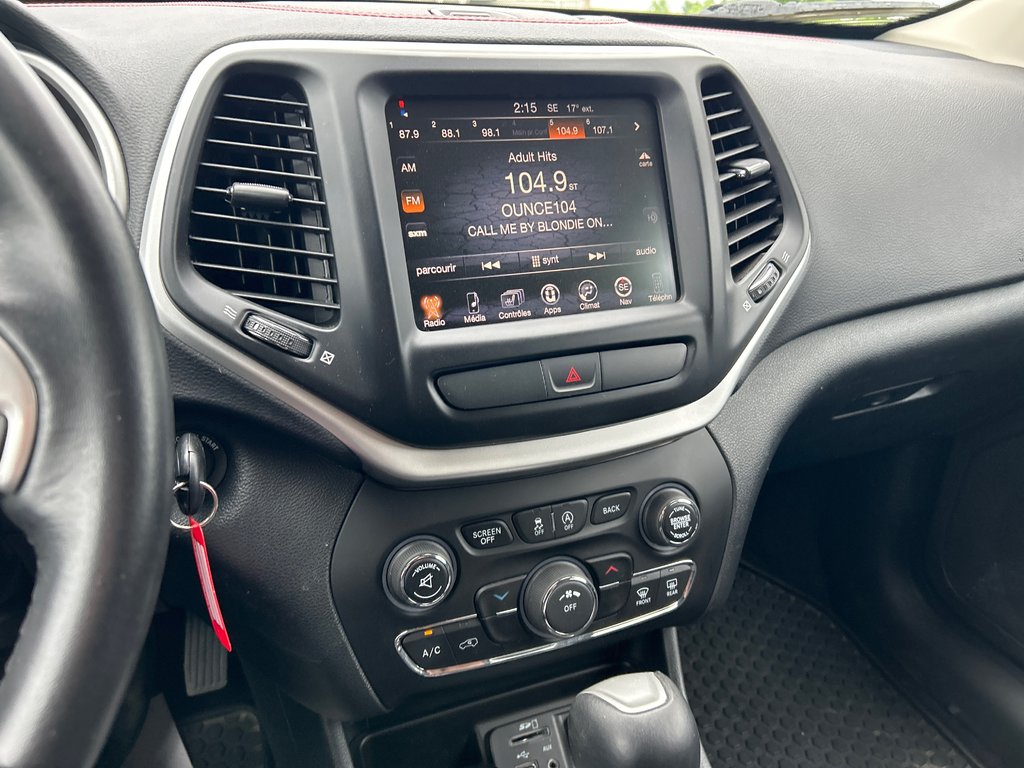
<point>206,581</point>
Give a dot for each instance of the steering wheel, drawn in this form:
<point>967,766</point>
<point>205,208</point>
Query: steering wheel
<point>87,460</point>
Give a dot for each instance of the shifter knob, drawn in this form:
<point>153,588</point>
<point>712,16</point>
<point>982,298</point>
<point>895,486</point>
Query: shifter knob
<point>633,721</point>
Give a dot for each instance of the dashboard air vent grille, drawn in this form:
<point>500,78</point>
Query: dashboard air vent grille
<point>750,195</point>
<point>258,226</point>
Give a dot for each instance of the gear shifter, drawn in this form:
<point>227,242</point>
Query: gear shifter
<point>633,721</point>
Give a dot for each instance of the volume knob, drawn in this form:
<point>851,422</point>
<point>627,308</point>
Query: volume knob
<point>420,573</point>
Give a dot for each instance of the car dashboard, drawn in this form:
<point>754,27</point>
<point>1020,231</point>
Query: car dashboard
<point>493,321</point>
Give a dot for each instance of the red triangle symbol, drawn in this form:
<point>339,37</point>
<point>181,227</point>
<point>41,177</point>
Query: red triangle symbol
<point>573,377</point>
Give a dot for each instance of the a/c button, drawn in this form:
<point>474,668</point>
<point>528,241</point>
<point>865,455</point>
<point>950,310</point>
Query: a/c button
<point>428,648</point>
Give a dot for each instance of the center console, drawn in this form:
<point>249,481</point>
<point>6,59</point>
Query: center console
<point>472,581</point>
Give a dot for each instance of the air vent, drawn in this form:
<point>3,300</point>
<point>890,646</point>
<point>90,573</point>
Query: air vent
<point>258,225</point>
<point>750,195</point>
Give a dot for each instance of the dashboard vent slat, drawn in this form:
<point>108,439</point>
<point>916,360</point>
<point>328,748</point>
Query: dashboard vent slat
<point>747,210</point>
<point>739,235</point>
<point>246,220</point>
<point>278,254</point>
<point>258,246</point>
<point>200,265</point>
<point>263,124</point>
<point>260,171</point>
<point>751,201</point>
<point>262,147</point>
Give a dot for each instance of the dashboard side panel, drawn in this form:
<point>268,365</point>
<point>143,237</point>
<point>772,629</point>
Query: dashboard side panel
<point>942,130</point>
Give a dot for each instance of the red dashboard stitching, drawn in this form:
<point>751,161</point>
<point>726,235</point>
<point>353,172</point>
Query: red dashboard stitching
<point>719,31</point>
<point>288,9</point>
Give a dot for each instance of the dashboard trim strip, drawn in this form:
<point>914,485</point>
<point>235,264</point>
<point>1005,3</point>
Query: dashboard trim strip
<point>389,460</point>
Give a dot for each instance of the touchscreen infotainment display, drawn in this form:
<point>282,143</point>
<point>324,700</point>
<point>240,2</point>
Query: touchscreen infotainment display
<point>530,208</point>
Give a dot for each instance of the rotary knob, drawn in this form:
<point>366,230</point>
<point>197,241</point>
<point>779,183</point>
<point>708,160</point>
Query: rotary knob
<point>670,517</point>
<point>559,599</point>
<point>420,573</point>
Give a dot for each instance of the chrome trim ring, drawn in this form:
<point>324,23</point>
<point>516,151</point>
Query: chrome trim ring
<point>551,590</point>
<point>394,579</point>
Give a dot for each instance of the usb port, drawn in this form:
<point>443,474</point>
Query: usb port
<point>522,737</point>
<point>530,764</point>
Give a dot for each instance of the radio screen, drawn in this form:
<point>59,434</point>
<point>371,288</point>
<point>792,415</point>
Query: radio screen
<point>513,210</point>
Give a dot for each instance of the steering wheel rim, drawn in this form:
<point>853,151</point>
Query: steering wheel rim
<point>93,497</point>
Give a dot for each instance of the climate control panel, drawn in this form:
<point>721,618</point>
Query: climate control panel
<point>559,605</point>
<point>484,578</point>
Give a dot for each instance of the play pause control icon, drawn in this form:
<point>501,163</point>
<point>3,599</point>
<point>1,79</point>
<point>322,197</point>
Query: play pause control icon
<point>550,294</point>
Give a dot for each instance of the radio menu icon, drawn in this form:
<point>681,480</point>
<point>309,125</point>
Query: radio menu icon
<point>431,306</point>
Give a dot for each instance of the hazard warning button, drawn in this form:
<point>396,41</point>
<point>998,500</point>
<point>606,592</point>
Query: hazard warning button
<point>573,375</point>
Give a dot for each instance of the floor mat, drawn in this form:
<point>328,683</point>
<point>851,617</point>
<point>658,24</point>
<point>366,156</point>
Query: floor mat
<point>775,684</point>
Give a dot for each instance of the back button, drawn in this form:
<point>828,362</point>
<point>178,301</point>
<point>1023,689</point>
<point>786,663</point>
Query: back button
<point>611,507</point>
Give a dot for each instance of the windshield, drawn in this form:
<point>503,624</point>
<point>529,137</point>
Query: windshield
<point>862,13</point>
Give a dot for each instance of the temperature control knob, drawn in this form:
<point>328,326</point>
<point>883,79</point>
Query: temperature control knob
<point>420,573</point>
<point>559,599</point>
<point>670,517</point>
